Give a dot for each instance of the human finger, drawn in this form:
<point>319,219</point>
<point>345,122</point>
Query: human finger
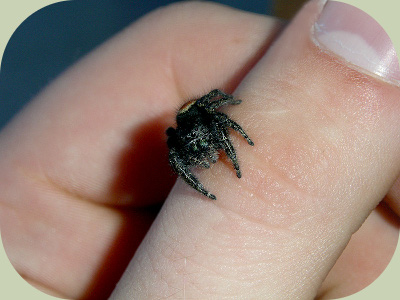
<point>81,163</point>
<point>325,127</point>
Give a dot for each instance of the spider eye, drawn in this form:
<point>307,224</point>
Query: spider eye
<point>185,107</point>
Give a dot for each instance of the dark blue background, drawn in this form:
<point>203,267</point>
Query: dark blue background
<point>55,36</point>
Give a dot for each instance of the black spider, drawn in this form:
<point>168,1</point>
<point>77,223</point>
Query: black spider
<point>201,131</point>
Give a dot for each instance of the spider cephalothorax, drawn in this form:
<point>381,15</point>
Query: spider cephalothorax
<point>200,133</point>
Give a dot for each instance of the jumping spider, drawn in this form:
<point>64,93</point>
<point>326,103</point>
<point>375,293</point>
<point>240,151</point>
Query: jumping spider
<point>200,133</point>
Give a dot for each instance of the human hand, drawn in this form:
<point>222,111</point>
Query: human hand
<point>82,167</point>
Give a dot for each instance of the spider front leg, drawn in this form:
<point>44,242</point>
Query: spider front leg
<point>235,126</point>
<point>215,93</point>
<point>184,172</point>
<point>230,151</point>
<point>222,101</point>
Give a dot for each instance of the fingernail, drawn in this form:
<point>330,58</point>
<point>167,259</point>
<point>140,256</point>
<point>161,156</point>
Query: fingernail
<point>358,38</point>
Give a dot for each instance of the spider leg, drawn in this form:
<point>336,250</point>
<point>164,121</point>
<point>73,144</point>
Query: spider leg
<point>222,101</point>
<point>183,171</point>
<point>235,126</point>
<point>230,151</point>
<point>215,93</point>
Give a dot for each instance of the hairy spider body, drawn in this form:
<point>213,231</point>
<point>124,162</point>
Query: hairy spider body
<point>200,133</point>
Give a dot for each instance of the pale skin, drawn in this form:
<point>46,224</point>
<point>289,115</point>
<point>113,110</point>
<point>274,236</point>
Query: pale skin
<point>83,166</point>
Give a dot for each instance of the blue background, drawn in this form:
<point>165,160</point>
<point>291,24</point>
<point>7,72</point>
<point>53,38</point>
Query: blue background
<point>54,37</point>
